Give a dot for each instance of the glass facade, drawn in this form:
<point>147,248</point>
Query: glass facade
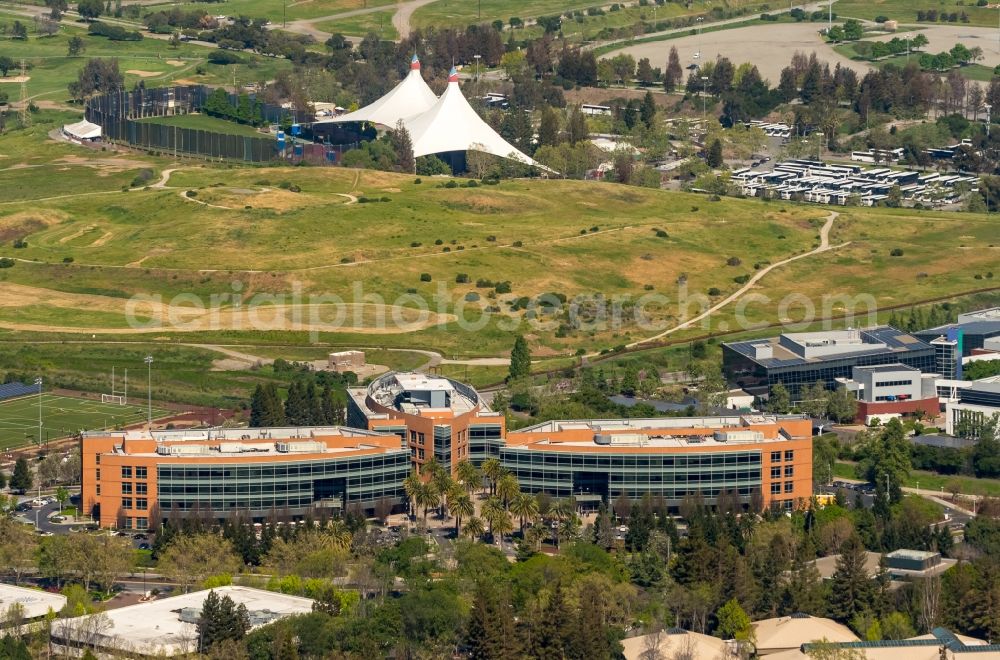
<point>754,377</point>
<point>484,442</point>
<point>442,446</point>
<point>292,485</point>
<point>672,476</point>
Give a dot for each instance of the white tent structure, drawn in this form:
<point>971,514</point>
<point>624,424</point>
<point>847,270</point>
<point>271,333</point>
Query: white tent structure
<point>82,131</point>
<point>411,96</point>
<point>452,125</point>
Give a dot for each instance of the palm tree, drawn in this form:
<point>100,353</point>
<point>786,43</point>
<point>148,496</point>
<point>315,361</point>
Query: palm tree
<point>427,497</point>
<point>462,507</point>
<point>412,485</point>
<point>443,484</point>
<point>501,526</point>
<point>525,507</point>
<point>535,534</point>
<point>474,528</point>
<point>492,511</point>
<point>469,475</point>
<point>492,469</point>
<point>507,488</point>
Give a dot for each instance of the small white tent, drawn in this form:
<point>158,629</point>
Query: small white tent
<point>82,131</point>
<point>452,125</point>
<point>411,96</point>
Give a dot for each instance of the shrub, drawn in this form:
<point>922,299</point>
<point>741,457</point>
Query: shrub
<point>491,239</point>
<point>502,287</point>
<point>518,243</point>
<point>714,291</point>
<point>67,260</point>
<point>192,193</point>
<point>462,278</point>
<point>662,234</point>
<point>733,261</point>
<point>896,252</point>
<point>6,262</point>
<point>484,283</point>
<point>425,277</point>
<point>438,242</point>
<point>741,279</point>
<point>471,296</point>
<point>224,57</point>
<point>416,244</point>
<point>20,243</point>
<point>417,181</point>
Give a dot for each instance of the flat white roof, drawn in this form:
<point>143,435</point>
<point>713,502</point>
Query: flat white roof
<point>155,627</point>
<point>35,602</point>
<point>423,383</point>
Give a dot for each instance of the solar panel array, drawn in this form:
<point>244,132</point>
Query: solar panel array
<point>11,390</point>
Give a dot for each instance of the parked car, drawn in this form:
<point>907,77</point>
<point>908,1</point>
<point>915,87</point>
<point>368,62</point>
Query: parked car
<point>145,546</point>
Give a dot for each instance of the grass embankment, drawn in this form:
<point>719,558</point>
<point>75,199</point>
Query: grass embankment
<point>379,22</point>
<point>150,60</point>
<point>569,238</point>
<point>905,11</point>
<point>206,123</point>
<point>932,481</point>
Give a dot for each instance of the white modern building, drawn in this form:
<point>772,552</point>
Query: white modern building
<point>34,603</point>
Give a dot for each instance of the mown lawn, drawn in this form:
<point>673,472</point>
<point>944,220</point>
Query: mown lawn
<point>206,123</point>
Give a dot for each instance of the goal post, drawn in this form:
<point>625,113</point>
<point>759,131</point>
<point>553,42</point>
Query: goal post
<point>116,399</point>
<point>117,396</point>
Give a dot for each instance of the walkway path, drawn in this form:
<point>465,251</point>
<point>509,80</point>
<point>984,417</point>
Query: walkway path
<point>824,245</point>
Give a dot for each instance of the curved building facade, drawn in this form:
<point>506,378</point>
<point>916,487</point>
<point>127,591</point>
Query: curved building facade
<point>434,417</point>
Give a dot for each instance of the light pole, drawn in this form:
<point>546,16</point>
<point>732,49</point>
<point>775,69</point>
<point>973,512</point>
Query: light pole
<point>478,57</point>
<point>700,20</point>
<point>908,48</point>
<point>38,381</point>
<point>830,24</point>
<point>149,389</point>
<point>989,119</point>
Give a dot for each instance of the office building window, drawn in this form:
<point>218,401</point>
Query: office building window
<point>142,523</point>
<point>98,489</point>
<point>789,486</point>
<point>789,455</point>
<point>420,454</point>
<point>140,488</point>
<point>789,470</point>
<point>126,488</point>
<point>141,503</point>
<point>126,472</point>
<point>126,502</point>
<point>128,523</point>
<point>140,472</point>
<point>97,459</point>
<point>775,456</point>
<point>776,472</point>
<point>98,475</point>
<point>776,488</point>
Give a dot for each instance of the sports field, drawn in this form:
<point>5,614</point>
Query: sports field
<point>62,416</point>
<point>206,123</point>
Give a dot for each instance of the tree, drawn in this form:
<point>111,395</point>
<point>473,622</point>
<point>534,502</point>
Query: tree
<point>17,547</point>
<point>647,111</point>
<point>714,155</point>
<point>525,507</point>
<point>56,8</point>
<point>265,407</point>
<point>814,400</point>
<point>22,479</point>
<point>842,405</point>
<point>62,496</point>
<point>548,129</point>
<point>221,620</point>
<point>75,46</point>
<point>6,64</point>
<point>98,76</point>
<point>402,144</point>
<point>644,72</point>
<point>674,73</point>
<point>190,558</point>
<point>576,127</point>
<point>852,590</point>
<point>469,475</point>
<point>492,469</point>
<point>733,622</point>
<point>19,30</point>
<point>90,9</point>
<point>461,507</point>
<point>520,359</point>
<point>779,401</point>
<point>507,489</point>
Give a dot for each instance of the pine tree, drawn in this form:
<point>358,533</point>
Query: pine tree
<point>297,411</point>
<point>314,406</point>
<point>21,480</point>
<point>402,144</point>
<point>549,639</point>
<point>647,112</point>
<point>520,359</point>
<point>674,73</point>
<point>331,413</point>
<point>276,410</point>
<point>209,624</point>
<point>851,589</point>
<point>714,157</point>
<point>576,127</point>
<point>258,407</point>
<point>548,129</point>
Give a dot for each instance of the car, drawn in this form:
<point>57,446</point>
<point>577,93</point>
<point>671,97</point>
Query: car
<point>692,67</point>
<point>41,533</point>
<point>58,519</point>
<point>145,546</point>
<point>23,506</point>
<point>121,534</point>
<point>140,537</point>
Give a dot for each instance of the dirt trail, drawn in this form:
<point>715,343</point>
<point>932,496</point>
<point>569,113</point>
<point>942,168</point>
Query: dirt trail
<point>824,245</point>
